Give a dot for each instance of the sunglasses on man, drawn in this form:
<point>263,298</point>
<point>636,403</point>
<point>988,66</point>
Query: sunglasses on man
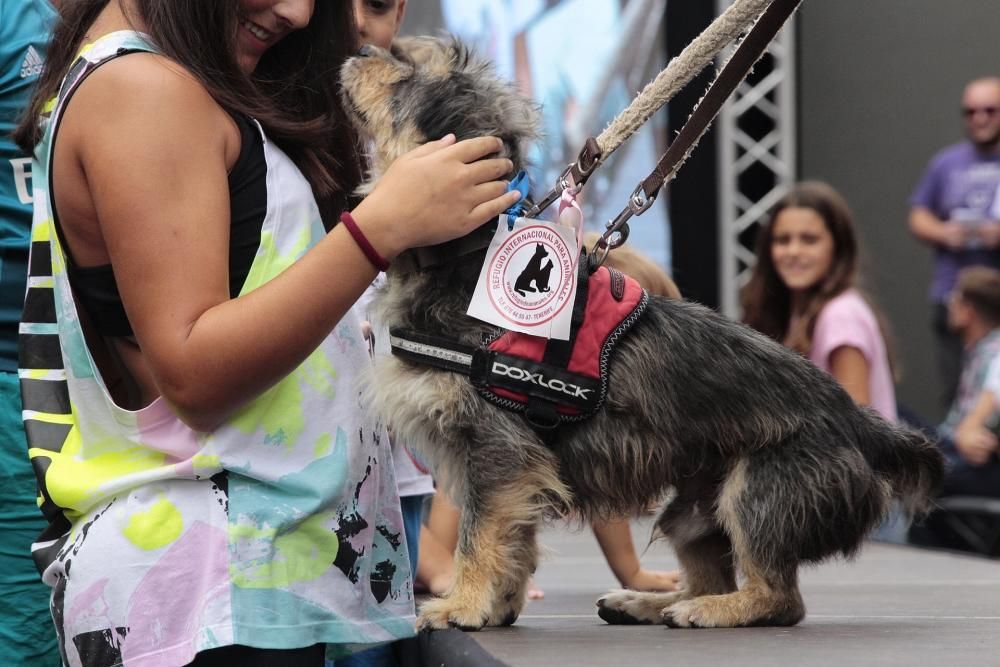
<point>969,112</point>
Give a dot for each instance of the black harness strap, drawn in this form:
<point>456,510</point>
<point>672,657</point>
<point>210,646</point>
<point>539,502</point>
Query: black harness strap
<point>541,413</point>
<point>538,380</point>
<point>545,391</point>
<point>432,350</point>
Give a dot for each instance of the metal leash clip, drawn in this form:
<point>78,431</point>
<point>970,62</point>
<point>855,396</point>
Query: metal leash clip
<point>562,184</point>
<point>576,172</point>
<point>616,232</point>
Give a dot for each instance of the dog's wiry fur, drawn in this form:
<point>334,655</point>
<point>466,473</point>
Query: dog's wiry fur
<point>770,461</point>
<point>402,97</point>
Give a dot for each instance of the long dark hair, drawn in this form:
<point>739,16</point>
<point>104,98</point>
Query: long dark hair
<point>767,301</point>
<point>293,93</point>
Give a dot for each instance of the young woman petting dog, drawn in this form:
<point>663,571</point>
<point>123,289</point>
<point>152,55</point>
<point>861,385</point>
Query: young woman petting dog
<point>189,346</point>
<point>803,293</point>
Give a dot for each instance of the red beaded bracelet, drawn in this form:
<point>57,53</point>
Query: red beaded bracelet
<point>377,260</point>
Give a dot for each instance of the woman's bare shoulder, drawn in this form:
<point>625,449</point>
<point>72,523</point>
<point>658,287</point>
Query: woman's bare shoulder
<point>147,101</point>
<point>148,84</point>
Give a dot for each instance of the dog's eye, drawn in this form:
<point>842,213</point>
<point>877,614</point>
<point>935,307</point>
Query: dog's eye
<point>400,55</point>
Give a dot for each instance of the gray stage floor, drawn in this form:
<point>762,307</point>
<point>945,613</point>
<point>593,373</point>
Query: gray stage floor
<point>894,605</point>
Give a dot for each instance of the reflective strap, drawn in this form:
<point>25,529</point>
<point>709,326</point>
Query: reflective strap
<point>431,351</point>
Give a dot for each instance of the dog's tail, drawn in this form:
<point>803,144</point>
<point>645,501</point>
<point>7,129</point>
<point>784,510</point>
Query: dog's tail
<point>906,459</point>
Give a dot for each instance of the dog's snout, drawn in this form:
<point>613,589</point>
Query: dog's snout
<point>366,50</point>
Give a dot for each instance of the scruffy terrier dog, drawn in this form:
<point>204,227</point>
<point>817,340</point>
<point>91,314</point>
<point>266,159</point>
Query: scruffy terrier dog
<point>770,461</point>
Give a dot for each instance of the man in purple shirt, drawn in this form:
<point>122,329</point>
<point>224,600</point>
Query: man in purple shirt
<point>950,211</point>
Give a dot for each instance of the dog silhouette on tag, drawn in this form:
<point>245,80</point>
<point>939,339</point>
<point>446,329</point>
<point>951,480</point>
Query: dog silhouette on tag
<point>535,273</point>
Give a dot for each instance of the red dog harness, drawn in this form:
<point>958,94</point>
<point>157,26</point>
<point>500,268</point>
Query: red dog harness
<point>551,381</point>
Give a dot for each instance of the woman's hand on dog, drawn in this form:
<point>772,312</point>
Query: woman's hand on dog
<point>437,192</point>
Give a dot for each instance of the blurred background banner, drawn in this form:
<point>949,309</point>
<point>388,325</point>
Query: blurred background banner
<point>583,61</point>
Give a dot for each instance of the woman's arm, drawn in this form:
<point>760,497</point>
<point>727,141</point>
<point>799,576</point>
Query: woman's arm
<point>851,369</point>
<point>155,168</point>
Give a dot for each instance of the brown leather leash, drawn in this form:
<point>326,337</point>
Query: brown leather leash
<point>749,51</point>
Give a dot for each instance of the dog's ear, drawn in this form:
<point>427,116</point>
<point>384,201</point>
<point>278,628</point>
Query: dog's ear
<point>460,54</point>
<point>431,56</point>
<point>456,91</point>
<point>516,119</point>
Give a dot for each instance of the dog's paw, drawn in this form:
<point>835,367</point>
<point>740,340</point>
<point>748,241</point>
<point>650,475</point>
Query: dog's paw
<point>681,615</point>
<point>696,613</point>
<point>443,613</point>
<point>507,608</point>
<point>734,610</point>
<point>626,607</point>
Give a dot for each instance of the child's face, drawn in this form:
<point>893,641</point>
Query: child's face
<point>264,23</point>
<point>379,20</point>
<point>801,248</point>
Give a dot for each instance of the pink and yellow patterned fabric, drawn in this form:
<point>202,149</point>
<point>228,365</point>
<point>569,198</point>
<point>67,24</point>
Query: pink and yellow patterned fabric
<point>279,529</point>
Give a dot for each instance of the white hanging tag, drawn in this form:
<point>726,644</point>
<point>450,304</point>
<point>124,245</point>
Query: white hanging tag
<point>528,282</point>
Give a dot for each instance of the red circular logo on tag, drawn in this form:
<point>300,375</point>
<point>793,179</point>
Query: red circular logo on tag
<point>531,276</point>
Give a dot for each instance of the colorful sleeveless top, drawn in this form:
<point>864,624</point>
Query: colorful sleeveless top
<point>279,529</point>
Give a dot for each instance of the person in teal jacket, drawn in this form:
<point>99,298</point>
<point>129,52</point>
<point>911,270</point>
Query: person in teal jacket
<point>26,634</point>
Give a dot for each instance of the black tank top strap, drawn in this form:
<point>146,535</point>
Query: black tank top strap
<point>247,202</point>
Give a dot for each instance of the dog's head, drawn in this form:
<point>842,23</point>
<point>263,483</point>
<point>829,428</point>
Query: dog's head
<point>425,88</point>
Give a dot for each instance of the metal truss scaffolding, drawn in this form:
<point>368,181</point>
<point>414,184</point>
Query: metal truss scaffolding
<point>756,144</point>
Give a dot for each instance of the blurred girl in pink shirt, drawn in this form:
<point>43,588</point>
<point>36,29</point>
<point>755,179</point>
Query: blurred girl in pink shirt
<point>804,293</point>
